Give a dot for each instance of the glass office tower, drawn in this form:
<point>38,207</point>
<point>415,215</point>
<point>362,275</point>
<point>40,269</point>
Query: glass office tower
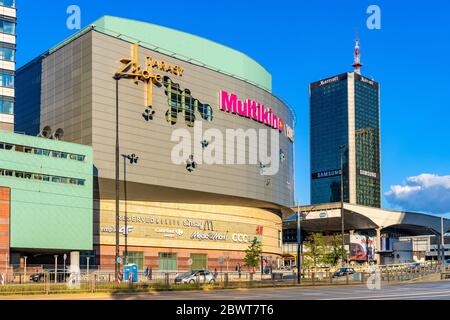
<point>7,63</point>
<point>344,113</point>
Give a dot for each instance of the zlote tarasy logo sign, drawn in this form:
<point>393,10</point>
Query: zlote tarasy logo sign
<point>131,69</point>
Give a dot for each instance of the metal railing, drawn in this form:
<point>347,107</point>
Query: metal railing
<point>48,282</point>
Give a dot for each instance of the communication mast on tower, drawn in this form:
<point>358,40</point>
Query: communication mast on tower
<point>357,57</point>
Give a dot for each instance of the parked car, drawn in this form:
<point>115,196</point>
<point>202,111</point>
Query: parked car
<point>203,276</point>
<point>60,274</point>
<point>447,262</point>
<point>343,272</point>
<point>416,265</point>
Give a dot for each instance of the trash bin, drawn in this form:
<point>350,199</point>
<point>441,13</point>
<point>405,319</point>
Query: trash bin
<point>130,271</point>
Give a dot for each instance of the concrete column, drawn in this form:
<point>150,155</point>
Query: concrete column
<point>378,245</point>
<point>75,261</point>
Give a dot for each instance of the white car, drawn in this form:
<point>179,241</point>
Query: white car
<point>202,276</point>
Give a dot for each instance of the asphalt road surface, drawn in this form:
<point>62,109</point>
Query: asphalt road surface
<point>411,291</point>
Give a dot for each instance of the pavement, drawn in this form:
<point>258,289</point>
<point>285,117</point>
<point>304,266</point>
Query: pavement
<point>410,291</point>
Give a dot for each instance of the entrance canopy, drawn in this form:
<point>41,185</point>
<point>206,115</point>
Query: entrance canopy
<point>327,218</point>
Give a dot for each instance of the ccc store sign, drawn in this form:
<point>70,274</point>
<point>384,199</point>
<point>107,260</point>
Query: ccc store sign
<point>239,237</point>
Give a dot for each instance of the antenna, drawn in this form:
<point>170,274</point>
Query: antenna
<point>357,57</point>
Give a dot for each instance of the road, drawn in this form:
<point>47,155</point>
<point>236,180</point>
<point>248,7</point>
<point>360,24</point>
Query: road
<point>411,291</point>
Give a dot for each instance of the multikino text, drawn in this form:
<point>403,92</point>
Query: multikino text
<point>254,110</point>
<point>234,142</point>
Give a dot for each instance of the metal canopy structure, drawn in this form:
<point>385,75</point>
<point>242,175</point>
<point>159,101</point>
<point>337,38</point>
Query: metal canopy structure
<point>327,218</point>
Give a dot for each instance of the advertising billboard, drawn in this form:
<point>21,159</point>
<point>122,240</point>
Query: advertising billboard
<point>362,248</point>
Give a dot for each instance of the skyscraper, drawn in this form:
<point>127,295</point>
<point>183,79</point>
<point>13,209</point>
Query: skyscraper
<point>7,63</point>
<point>345,113</point>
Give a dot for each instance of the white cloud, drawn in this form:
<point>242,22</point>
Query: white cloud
<point>425,192</point>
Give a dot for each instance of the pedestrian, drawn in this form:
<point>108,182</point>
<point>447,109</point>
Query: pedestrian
<point>2,279</point>
<point>146,272</point>
<point>150,273</point>
<point>215,273</point>
<point>239,270</point>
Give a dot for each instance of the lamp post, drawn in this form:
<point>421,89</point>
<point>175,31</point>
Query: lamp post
<point>133,160</point>
<point>341,149</point>
<point>56,267</point>
<point>442,241</point>
<point>117,78</point>
<point>299,244</point>
<point>25,268</point>
<point>64,265</point>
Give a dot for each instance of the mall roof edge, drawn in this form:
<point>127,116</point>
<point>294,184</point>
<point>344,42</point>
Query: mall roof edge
<point>218,57</point>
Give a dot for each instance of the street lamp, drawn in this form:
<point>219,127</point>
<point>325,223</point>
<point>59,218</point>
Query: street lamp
<point>56,267</point>
<point>133,160</point>
<point>341,149</point>
<point>117,77</point>
<point>299,244</point>
<point>64,265</point>
<point>25,268</point>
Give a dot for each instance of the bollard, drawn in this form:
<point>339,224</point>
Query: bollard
<point>166,279</point>
<point>226,280</point>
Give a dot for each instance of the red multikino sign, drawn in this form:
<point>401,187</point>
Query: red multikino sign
<point>254,110</point>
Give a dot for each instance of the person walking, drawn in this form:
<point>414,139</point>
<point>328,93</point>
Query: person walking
<point>239,270</point>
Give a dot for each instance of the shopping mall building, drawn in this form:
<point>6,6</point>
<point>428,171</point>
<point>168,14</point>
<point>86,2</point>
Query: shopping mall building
<point>173,214</point>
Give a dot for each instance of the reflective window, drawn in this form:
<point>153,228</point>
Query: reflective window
<point>38,151</point>
<point>41,177</point>
<point>8,27</point>
<point>6,105</point>
<point>6,79</point>
<point>8,3</point>
<point>7,54</point>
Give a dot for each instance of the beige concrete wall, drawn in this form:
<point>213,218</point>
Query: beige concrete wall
<point>78,95</point>
<point>169,225</point>
<point>151,141</point>
<point>66,95</point>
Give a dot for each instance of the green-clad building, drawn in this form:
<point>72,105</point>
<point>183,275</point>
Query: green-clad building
<point>45,200</point>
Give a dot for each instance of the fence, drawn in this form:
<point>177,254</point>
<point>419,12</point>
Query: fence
<point>51,282</point>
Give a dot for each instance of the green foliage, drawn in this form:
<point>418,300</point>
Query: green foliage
<point>334,255</point>
<point>253,254</point>
<point>314,250</point>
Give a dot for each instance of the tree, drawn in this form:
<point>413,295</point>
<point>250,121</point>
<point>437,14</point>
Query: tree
<point>314,249</point>
<point>334,255</point>
<point>253,254</point>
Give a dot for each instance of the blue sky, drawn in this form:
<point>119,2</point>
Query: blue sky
<point>303,41</point>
